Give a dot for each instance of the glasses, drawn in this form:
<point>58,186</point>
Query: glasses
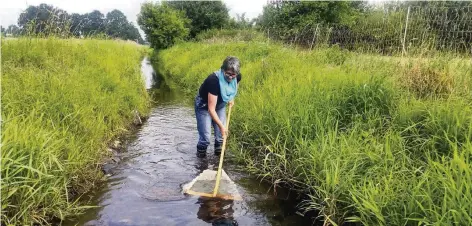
<point>230,75</point>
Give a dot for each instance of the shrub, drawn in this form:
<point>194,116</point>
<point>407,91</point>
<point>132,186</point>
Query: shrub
<point>163,25</point>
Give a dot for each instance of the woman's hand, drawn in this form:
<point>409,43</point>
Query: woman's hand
<point>224,131</point>
<point>231,103</point>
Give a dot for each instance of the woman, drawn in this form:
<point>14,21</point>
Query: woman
<point>216,91</point>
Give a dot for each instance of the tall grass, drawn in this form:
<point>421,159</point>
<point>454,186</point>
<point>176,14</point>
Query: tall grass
<point>62,102</point>
<point>364,140</point>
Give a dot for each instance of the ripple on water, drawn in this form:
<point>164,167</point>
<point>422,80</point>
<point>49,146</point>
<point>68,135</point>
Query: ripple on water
<point>162,192</point>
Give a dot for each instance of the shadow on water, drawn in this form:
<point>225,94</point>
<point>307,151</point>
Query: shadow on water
<point>145,187</point>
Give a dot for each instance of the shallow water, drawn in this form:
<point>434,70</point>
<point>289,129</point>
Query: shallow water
<point>145,187</point>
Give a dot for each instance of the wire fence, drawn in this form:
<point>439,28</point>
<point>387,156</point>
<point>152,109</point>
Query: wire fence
<point>391,31</point>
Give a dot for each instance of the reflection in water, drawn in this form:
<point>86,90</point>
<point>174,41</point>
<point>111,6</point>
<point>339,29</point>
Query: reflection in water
<point>216,211</point>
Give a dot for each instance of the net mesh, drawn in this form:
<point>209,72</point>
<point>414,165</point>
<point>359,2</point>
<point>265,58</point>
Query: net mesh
<point>205,183</point>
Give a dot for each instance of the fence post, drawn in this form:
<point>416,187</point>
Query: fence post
<point>328,35</point>
<point>268,36</point>
<point>406,28</point>
<point>314,35</point>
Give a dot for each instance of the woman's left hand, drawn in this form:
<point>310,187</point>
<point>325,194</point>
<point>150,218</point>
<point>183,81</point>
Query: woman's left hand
<point>231,103</point>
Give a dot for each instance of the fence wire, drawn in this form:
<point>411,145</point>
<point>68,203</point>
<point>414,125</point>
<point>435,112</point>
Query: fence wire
<point>393,30</point>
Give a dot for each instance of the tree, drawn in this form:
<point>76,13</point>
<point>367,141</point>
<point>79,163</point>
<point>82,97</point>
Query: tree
<point>163,25</point>
<point>116,23</point>
<point>130,32</point>
<point>204,15</point>
<point>241,22</point>
<point>44,19</point>
<point>13,30</point>
<point>93,23</point>
<point>292,15</point>
<point>133,33</point>
<point>117,26</point>
<point>76,24</point>
<point>287,19</point>
<point>2,30</point>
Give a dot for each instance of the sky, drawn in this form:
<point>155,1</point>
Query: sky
<point>11,9</point>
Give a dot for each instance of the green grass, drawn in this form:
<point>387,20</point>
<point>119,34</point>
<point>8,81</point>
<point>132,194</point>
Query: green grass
<point>352,131</point>
<point>62,102</point>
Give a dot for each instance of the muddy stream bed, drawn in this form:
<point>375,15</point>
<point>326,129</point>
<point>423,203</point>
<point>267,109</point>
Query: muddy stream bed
<point>145,186</point>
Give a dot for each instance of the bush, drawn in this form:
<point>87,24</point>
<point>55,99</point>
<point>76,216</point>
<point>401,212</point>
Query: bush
<point>163,25</point>
<point>203,15</point>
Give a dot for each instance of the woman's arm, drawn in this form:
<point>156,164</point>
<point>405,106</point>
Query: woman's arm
<point>212,100</point>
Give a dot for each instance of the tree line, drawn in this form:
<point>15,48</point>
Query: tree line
<point>350,24</point>
<point>46,20</point>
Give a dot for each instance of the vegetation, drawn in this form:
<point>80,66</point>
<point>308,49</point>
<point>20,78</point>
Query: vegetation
<point>379,140</point>
<point>376,28</point>
<point>241,22</point>
<point>170,22</point>
<point>62,102</point>
<point>117,26</point>
<point>347,129</point>
<point>224,35</point>
<point>356,26</point>
<point>13,30</point>
<point>46,20</point>
<point>163,25</point>
<point>203,15</point>
<point>289,17</point>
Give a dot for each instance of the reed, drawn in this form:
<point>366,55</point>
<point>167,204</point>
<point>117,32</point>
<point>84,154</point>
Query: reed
<point>371,139</point>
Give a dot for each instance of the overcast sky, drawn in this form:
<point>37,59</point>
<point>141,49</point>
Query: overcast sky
<point>11,9</point>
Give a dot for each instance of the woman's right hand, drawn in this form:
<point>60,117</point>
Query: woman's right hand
<point>223,130</point>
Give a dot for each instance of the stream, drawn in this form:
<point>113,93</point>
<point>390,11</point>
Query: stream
<point>145,186</point>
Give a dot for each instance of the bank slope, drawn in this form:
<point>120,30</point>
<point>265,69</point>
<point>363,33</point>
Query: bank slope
<point>371,139</point>
<point>62,102</point>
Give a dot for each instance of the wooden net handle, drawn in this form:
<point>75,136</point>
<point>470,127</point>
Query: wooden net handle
<point>220,165</point>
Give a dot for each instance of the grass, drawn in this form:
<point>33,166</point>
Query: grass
<point>368,139</point>
<point>62,102</point>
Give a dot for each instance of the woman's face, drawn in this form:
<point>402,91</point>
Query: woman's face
<point>230,75</point>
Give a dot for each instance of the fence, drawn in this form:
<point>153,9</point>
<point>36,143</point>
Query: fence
<point>392,30</point>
